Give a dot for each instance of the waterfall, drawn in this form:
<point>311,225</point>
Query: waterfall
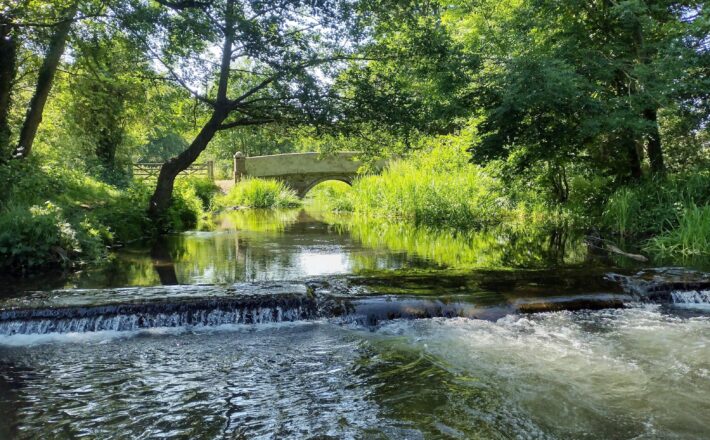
<point>691,298</point>
<point>129,317</point>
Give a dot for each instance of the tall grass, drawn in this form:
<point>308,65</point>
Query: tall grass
<point>332,196</point>
<point>622,211</point>
<point>655,205</point>
<point>258,193</point>
<point>435,188</point>
<point>691,238</point>
<point>672,214</point>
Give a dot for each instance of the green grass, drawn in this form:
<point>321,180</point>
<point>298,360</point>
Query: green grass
<point>655,205</point>
<point>434,188</point>
<point>260,194</point>
<point>671,215</point>
<point>691,238</point>
<point>332,196</point>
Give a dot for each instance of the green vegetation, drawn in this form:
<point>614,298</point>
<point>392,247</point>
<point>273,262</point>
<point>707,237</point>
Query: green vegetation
<point>437,187</point>
<point>496,112</point>
<point>55,217</point>
<point>258,193</point>
<point>671,212</point>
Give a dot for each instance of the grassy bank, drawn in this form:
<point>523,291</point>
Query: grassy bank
<point>671,215</point>
<point>438,188</point>
<point>258,193</point>
<point>57,217</point>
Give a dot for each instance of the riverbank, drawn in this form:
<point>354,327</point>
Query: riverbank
<point>58,218</point>
<point>667,218</point>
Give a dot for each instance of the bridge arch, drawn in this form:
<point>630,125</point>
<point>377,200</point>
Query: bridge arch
<point>299,171</point>
<point>322,179</point>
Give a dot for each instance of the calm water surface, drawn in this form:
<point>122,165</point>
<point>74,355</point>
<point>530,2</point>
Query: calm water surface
<point>639,372</point>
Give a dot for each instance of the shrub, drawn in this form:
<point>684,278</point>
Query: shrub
<point>185,209</point>
<point>40,235</point>
<point>204,188</point>
<point>54,216</point>
<point>259,193</point>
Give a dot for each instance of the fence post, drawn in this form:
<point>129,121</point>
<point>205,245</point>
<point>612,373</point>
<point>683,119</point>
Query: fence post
<point>210,170</point>
<point>240,166</point>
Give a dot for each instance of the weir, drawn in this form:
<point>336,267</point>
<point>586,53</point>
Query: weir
<point>316,303</point>
<point>356,300</point>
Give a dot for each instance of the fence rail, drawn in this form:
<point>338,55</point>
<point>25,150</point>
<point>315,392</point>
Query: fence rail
<point>147,170</point>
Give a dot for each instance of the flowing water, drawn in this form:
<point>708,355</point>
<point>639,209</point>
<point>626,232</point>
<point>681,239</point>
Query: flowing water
<point>301,325</point>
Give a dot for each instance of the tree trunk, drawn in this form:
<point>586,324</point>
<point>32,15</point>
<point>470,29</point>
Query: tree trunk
<point>44,83</point>
<point>634,158</point>
<point>162,196</point>
<point>654,148</point>
<point>8,55</point>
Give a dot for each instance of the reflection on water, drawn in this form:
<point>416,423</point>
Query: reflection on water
<point>252,245</point>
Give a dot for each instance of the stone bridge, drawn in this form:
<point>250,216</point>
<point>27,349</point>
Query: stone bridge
<point>300,171</point>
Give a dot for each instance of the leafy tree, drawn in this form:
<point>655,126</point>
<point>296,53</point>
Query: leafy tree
<point>274,58</point>
<point>108,91</point>
<point>63,14</point>
<point>579,81</point>
<point>8,69</point>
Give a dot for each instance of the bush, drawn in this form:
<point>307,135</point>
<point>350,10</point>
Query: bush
<point>259,193</point>
<point>59,217</point>
<point>40,236</point>
<point>204,188</point>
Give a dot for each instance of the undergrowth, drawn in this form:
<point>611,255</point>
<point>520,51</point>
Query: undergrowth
<point>52,216</point>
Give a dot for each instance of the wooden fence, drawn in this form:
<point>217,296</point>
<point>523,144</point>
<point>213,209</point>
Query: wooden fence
<point>145,170</point>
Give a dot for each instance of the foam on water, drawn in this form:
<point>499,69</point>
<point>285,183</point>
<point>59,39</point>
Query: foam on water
<point>105,336</point>
<point>693,299</point>
<point>632,373</point>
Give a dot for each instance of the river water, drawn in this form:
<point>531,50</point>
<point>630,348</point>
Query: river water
<point>300,324</point>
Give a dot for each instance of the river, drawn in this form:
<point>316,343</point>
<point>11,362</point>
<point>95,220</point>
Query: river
<point>302,324</point>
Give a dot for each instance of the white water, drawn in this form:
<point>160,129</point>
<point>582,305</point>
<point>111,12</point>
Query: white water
<point>691,299</point>
<point>135,322</point>
<point>612,374</point>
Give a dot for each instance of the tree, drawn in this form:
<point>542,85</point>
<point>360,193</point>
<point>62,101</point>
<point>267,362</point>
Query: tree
<point>45,79</point>
<point>274,61</point>
<point>578,81</point>
<point>8,68</point>
<point>108,89</point>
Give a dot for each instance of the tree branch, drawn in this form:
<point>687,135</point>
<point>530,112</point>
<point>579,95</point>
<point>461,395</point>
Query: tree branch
<point>244,123</point>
